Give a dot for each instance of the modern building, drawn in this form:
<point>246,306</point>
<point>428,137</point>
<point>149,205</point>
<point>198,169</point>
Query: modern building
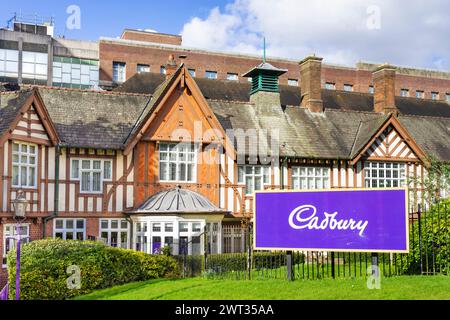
<point>29,54</point>
<point>164,158</point>
<point>137,51</point>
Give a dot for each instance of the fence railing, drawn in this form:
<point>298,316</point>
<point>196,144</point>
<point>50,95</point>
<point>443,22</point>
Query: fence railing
<point>429,255</point>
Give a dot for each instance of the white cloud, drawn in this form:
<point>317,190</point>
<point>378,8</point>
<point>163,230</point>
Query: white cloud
<point>412,33</point>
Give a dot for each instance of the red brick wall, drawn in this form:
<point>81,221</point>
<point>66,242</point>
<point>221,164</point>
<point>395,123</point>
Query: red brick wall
<point>151,37</point>
<point>222,63</point>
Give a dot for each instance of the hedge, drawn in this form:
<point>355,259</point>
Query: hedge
<point>435,229</point>
<point>44,266</point>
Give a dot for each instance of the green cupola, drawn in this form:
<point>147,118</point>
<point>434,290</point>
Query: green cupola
<point>264,76</point>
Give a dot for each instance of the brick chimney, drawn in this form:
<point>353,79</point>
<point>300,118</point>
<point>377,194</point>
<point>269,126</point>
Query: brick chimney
<point>171,66</point>
<point>311,83</point>
<point>384,89</point>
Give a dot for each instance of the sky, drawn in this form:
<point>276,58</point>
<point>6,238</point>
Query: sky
<point>405,33</point>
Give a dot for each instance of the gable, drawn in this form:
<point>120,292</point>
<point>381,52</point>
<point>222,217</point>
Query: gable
<point>182,118</point>
<point>32,123</point>
<point>390,144</point>
<point>30,126</point>
<point>179,112</point>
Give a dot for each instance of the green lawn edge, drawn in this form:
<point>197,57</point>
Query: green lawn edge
<point>393,288</point>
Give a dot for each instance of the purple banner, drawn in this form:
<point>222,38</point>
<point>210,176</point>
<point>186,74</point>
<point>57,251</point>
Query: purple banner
<point>341,220</point>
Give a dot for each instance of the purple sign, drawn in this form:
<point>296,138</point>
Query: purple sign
<point>341,220</point>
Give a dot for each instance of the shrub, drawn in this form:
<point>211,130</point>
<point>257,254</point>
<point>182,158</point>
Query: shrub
<point>44,266</point>
<point>435,229</point>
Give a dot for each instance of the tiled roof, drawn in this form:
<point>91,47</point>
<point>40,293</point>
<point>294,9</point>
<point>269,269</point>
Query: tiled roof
<point>10,104</point>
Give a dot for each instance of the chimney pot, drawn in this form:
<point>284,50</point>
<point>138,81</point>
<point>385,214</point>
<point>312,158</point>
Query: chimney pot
<point>171,66</point>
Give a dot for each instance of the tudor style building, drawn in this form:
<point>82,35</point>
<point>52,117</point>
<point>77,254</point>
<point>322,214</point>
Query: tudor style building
<point>163,158</point>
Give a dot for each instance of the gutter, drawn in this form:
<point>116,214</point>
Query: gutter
<point>56,199</point>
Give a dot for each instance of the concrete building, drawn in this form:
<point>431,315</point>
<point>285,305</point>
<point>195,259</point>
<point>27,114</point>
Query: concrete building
<point>29,54</point>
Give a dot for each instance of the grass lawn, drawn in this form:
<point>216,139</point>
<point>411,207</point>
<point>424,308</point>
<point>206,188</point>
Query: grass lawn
<point>411,288</point>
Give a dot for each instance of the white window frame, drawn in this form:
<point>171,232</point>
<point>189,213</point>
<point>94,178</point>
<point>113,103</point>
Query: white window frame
<point>371,89</point>
<point>142,68</point>
<point>12,243</point>
<point>374,169</point>
<point>35,62</point>
<point>264,174</point>
<point>232,76</point>
<point>434,95</point>
<point>65,230</point>
<point>404,93</point>
<point>162,70</point>
<point>192,72</point>
<point>76,175</point>
<point>311,178</point>
<point>27,166</point>
<point>447,97</point>
<point>420,94</point>
<point>293,82</point>
<point>120,230</point>
<point>119,71</point>
<point>348,87</point>
<point>330,85</point>
<point>209,74</point>
<point>178,162</point>
<point>9,63</point>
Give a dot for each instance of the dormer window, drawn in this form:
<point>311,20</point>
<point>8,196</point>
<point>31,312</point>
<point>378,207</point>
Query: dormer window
<point>24,165</point>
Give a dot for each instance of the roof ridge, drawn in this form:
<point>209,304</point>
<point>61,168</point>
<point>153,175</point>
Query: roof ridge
<point>230,101</point>
<point>105,92</point>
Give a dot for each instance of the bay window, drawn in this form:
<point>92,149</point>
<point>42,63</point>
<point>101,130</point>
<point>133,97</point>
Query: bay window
<point>254,177</point>
<point>177,162</point>
<point>384,175</point>
<point>310,178</point>
<point>24,165</point>
<point>91,173</point>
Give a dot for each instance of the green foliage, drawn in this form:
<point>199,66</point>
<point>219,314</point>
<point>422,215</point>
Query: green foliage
<point>44,266</point>
<point>435,233</point>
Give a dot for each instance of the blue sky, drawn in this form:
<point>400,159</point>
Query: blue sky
<point>405,33</point>
<point>109,18</point>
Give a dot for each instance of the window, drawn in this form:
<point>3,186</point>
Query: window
<point>371,90</point>
<point>177,162</point>
<point>434,95</point>
<point>310,178</point>
<point>75,72</point>
<point>254,177</point>
<point>330,86</point>
<point>141,237</point>
<point>211,74</point>
<point>196,227</point>
<point>10,231</point>
<point>192,72</point>
<point>293,82</point>
<point>384,175</point>
<point>69,229</point>
<point>91,173</point>
<point>24,164</point>
<point>114,232</point>
<point>420,94</point>
<point>348,87</point>
<point>184,227</point>
<point>143,68</point>
<point>231,76</point>
<point>447,97</point>
<point>119,70</point>
<point>404,92</point>
<point>162,70</point>
<point>34,65</point>
<point>9,63</point>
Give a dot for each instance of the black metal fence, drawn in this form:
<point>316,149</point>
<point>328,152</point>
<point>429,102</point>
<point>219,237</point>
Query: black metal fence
<point>429,255</point>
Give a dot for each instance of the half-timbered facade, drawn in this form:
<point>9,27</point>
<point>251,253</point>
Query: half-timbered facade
<point>163,159</point>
